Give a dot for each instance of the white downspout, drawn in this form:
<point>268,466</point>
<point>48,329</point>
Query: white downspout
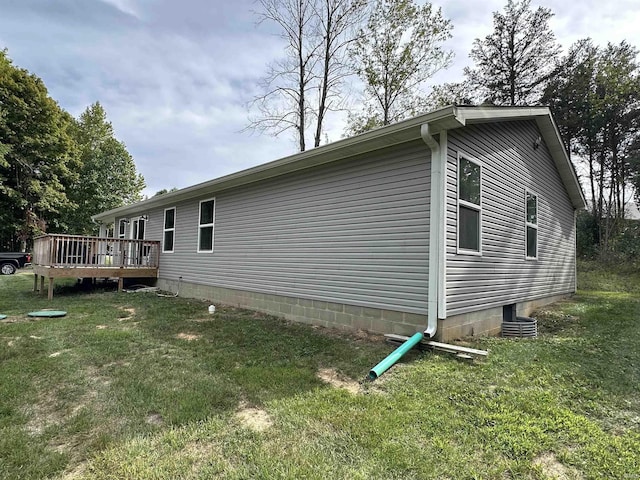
<point>437,229</point>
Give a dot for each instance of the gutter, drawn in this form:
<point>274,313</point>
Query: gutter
<point>437,229</point>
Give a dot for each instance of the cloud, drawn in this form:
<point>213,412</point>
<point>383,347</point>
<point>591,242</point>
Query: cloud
<point>175,77</point>
<point>125,6</point>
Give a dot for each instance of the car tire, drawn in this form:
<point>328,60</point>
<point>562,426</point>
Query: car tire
<point>7,269</point>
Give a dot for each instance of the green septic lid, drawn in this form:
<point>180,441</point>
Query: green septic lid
<point>48,313</point>
<point>2,317</point>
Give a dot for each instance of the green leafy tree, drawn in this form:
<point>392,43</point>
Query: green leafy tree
<point>398,50</point>
<point>107,175</point>
<point>164,190</point>
<point>596,99</point>
<point>38,156</point>
<point>461,93</point>
<point>513,63</point>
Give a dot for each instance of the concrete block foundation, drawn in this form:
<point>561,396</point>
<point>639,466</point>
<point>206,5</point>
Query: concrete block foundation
<point>316,312</point>
<point>485,322</point>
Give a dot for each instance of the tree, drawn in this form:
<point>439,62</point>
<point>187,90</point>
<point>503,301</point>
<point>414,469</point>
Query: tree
<point>107,176</point>
<point>395,53</point>
<point>316,34</point>
<point>596,99</point>
<point>513,63</point>
<point>164,190</point>
<point>337,19</point>
<point>461,93</point>
<point>39,156</point>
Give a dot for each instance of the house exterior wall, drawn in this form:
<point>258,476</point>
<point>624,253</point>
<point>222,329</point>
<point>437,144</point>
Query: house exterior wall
<point>347,243</point>
<point>502,275</point>
<point>352,233</point>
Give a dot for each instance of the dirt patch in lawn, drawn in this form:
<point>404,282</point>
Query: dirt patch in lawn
<point>335,379</point>
<point>16,319</point>
<point>58,353</point>
<point>552,468</point>
<point>77,472</point>
<point>42,415</point>
<point>11,341</point>
<point>189,337</point>
<point>254,418</point>
<point>128,312</point>
<point>154,418</point>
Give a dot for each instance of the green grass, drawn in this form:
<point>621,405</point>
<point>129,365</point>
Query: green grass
<point>103,394</point>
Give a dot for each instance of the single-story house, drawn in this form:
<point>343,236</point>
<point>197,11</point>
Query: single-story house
<point>443,223</point>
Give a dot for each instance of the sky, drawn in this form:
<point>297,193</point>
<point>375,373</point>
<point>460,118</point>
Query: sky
<point>176,77</point>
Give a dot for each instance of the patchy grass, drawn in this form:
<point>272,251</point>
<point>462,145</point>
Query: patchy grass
<point>137,386</point>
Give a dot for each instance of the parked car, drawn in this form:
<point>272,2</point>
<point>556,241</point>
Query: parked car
<point>11,261</point>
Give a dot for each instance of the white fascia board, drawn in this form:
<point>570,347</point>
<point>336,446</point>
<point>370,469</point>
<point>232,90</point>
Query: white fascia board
<point>548,130</point>
<point>446,118</point>
<point>376,139</point>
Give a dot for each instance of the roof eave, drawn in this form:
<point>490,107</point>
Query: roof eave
<point>382,137</point>
<point>443,119</point>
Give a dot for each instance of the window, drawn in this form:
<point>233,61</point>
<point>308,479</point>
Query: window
<point>531,220</point>
<point>469,206</point>
<point>122,226</point>
<point>205,226</point>
<point>169,230</point>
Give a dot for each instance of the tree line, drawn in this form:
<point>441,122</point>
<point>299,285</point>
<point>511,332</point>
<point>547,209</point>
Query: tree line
<point>55,170</point>
<point>390,49</point>
<point>371,60</point>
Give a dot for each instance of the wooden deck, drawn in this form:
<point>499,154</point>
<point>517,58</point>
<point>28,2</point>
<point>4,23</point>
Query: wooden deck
<point>75,256</point>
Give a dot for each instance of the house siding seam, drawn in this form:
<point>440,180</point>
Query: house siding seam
<point>353,232</point>
<point>502,275</point>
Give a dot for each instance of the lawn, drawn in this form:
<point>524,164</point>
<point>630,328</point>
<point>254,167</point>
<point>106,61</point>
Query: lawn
<point>139,386</point>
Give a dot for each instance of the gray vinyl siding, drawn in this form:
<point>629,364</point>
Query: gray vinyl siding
<point>353,232</point>
<point>502,275</point>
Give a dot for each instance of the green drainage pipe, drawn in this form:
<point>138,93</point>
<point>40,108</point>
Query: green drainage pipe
<point>394,356</point>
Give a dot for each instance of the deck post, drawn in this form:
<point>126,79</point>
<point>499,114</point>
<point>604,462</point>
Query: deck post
<point>120,284</point>
<point>50,294</point>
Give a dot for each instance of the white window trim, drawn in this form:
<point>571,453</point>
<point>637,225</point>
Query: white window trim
<point>533,225</point>
<point>473,206</point>
<point>122,235</point>
<point>207,225</point>
<point>165,229</point>
<point>132,230</point>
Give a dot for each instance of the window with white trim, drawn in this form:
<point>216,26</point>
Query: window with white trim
<point>122,228</point>
<point>469,206</point>
<point>531,220</point>
<point>205,225</point>
<point>169,230</point>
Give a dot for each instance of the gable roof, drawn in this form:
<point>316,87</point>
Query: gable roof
<point>443,119</point>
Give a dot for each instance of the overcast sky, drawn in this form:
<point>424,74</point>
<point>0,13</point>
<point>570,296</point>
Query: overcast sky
<point>175,77</point>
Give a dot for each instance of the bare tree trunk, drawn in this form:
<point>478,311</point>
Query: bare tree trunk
<point>302,76</point>
<point>600,212</point>
<point>326,64</point>
<point>591,182</point>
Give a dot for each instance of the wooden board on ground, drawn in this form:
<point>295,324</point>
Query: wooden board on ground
<point>444,347</point>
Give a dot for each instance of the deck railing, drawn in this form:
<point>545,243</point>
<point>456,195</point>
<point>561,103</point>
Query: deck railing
<point>94,252</point>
